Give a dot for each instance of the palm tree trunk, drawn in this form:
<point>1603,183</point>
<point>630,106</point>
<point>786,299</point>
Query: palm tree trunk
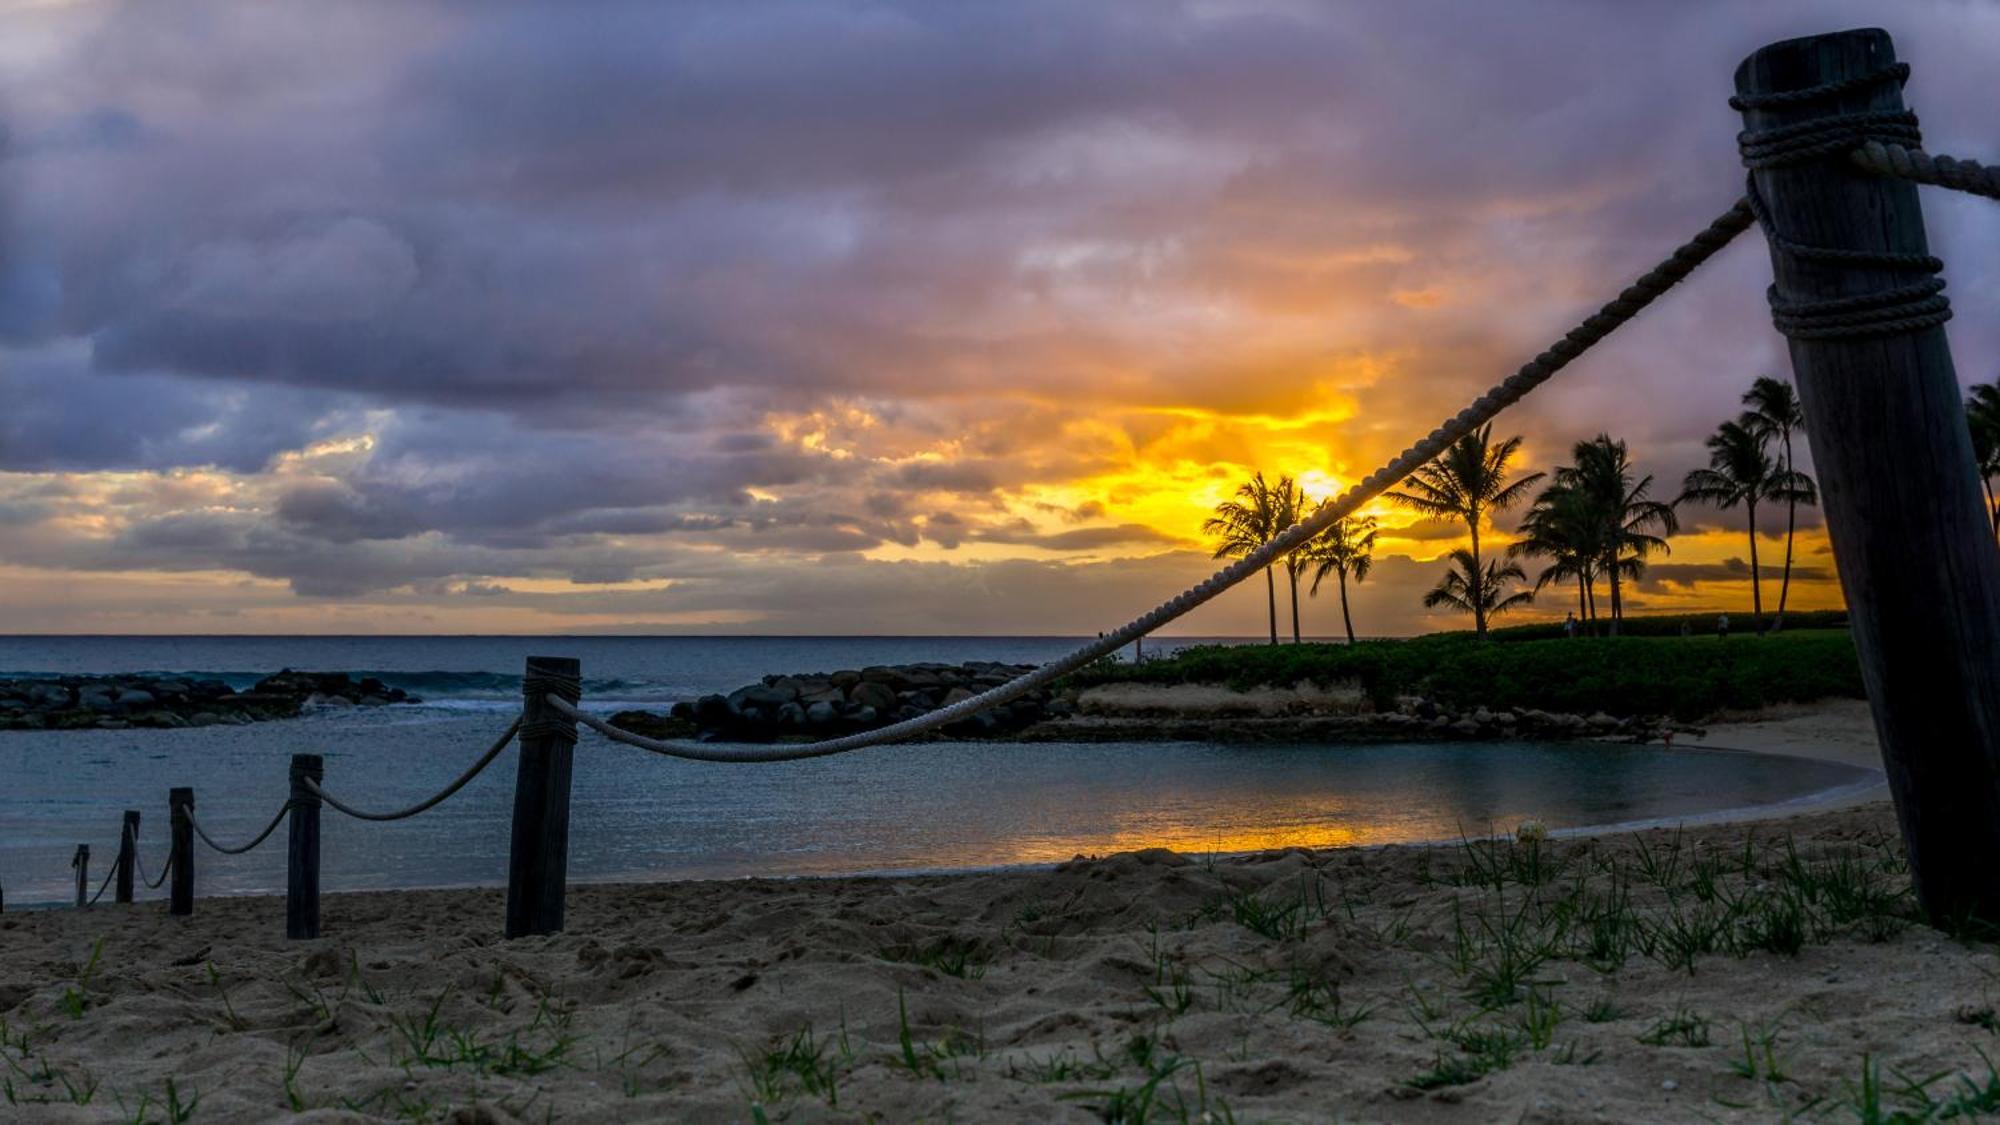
<point>1992,505</point>
<point>1271,596</point>
<point>1617,605</point>
<point>1756,590</point>
<point>1293,576</point>
<point>1791,528</point>
<point>1582,603</point>
<point>1346,617</point>
<point>1474,580</point>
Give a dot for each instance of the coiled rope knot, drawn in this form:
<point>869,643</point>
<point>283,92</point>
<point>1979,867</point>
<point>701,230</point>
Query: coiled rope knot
<point>538,719</point>
<point>1902,308</point>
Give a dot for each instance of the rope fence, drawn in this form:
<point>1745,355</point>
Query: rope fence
<point>1878,141</point>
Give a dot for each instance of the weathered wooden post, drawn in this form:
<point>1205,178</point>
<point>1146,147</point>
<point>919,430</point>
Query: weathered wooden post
<point>81,862</point>
<point>1888,436</point>
<point>538,862</point>
<point>302,859</point>
<point>128,846</point>
<point>180,850</point>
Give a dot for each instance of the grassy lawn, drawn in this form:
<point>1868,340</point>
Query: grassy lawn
<point>1652,671</point>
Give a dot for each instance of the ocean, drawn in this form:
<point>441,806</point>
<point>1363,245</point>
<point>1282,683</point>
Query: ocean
<point>915,807</point>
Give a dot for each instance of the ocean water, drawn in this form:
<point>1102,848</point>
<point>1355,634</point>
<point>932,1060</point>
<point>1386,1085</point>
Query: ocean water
<point>637,816</point>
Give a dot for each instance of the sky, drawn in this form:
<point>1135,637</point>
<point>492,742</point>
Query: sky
<point>847,317</point>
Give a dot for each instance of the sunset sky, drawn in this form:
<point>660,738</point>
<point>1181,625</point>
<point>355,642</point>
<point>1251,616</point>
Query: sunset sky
<point>844,317</point>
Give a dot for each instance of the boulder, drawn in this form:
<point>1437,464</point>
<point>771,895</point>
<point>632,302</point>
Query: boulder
<point>873,693</point>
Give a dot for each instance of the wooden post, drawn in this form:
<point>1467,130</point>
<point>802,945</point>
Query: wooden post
<point>538,862</point>
<point>302,860</point>
<point>128,846</point>
<point>180,850</point>
<point>81,862</point>
<point>1896,474</point>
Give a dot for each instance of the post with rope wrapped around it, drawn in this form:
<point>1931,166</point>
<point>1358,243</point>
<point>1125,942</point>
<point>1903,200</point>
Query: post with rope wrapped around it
<point>1859,297</point>
<point>538,861</point>
<point>180,850</point>
<point>302,857</point>
<point>81,863</point>
<point>128,845</point>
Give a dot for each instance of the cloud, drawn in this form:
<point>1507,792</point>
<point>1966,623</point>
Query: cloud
<point>436,297</point>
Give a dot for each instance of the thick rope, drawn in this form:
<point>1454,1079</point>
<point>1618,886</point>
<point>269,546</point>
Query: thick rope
<point>108,876</point>
<point>1885,159</point>
<point>541,682</point>
<point>139,864</point>
<point>1901,308</point>
<point>1504,394</point>
<point>260,838</point>
<point>427,803</point>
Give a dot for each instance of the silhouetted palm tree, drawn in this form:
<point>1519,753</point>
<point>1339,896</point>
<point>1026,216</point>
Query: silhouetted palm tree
<point>1623,513</point>
<point>1244,524</point>
<point>1468,481</point>
<point>1561,527</point>
<point>1775,406</point>
<point>1478,590</point>
<point>1982,414</point>
<point>1742,471</point>
<point>1346,549</point>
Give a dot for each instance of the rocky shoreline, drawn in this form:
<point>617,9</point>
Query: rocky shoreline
<point>818,705</point>
<point>809,706</point>
<point>125,702</point>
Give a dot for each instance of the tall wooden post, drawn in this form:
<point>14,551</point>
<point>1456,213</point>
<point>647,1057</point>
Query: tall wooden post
<point>302,858</point>
<point>128,846</point>
<point>538,862</point>
<point>81,862</point>
<point>180,850</point>
<point>1901,493</point>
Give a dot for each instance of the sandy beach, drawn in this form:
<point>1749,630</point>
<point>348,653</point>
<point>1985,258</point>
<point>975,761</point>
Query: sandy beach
<point>1731,972</point>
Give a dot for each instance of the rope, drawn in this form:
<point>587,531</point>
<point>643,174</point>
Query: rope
<point>539,683</point>
<point>108,875</point>
<point>261,836</point>
<point>1896,309</point>
<point>485,760</point>
<point>1899,72</point>
<point>1532,374</point>
<point>1885,159</point>
<point>154,884</point>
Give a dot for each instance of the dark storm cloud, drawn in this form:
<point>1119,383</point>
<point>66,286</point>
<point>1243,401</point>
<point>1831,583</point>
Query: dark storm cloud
<point>563,264</point>
<point>1660,576</point>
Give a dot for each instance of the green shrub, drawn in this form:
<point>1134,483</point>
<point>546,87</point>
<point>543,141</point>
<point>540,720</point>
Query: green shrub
<point>1650,671</point>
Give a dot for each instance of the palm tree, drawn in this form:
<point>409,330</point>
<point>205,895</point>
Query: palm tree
<point>1346,549</point>
<point>1742,471</point>
<point>1468,481</point>
<point>1244,524</point>
<point>1624,516</point>
<point>1478,590</point>
<point>1560,527</point>
<point>1290,508</point>
<point>1775,406</point>
<point>1982,414</point>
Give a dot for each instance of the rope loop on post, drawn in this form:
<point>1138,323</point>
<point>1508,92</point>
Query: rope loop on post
<point>542,683</point>
<point>1896,72</point>
<point>1898,309</point>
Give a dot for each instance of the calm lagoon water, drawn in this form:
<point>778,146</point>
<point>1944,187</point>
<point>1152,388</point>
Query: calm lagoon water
<point>636,816</point>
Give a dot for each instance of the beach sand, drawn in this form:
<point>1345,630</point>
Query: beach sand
<point>1609,978</point>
